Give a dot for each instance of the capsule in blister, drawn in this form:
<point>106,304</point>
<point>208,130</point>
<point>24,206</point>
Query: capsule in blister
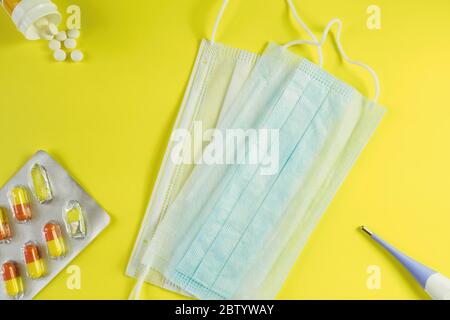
<point>56,246</point>
<point>19,200</point>
<point>5,229</point>
<point>12,280</point>
<point>33,260</point>
<point>74,219</point>
<point>41,184</point>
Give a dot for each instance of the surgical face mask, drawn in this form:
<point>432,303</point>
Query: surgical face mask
<point>322,123</point>
<point>326,175</point>
<point>242,231</point>
<point>218,75</point>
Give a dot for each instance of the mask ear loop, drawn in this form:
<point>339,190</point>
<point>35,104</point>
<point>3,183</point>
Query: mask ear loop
<point>136,292</point>
<point>218,19</point>
<point>294,13</point>
<point>341,51</point>
<point>308,30</point>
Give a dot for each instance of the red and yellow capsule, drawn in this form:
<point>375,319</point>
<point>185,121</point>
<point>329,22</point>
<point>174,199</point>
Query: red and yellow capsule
<point>20,204</point>
<point>33,260</point>
<point>12,280</point>
<point>56,245</point>
<point>5,229</point>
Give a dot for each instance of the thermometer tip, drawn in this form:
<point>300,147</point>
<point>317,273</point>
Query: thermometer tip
<point>363,228</point>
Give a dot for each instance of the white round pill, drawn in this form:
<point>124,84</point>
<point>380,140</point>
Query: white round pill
<point>77,55</point>
<point>73,33</point>
<point>59,55</point>
<point>61,36</point>
<point>70,43</point>
<point>54,44</point>
<point>53,29</point>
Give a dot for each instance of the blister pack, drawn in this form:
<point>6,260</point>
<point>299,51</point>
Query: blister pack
<point>46,220</point>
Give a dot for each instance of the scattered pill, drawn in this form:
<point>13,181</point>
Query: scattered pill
<point>70,43</point>
<point>56,245</point>
<point>73,33</point>
<point>53,29</point>
<point>41,184</point>
<point>12,280</point>
<point>74,219</point>
<point>61,36</point>
<point>33,260</point>
<point>77,55</point>
<point>5,230</point>
<point>59,55</point>
<point>54,44</point>
<point>20,204</point>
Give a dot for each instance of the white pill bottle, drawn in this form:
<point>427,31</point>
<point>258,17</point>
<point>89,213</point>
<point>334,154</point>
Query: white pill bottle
<point>35,19</point>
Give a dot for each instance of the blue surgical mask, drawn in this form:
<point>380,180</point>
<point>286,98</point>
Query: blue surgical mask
<point>230,228</point>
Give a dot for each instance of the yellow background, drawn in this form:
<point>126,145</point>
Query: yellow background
<point>108,119</point>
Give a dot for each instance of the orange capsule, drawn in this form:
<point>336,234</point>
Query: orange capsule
<point>56,245</point>
<point>20,204</point>
<point>33,260</point>
<point>5,230</point>
<point>12,280</point>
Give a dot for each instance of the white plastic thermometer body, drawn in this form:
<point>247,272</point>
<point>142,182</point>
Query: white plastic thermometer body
<point>438,287</point>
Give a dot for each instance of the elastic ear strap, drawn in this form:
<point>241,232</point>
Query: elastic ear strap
<point>347,58</point>
<point>341,51</point>
<point>136,292</point>
<point>218,19</point>
<point>305,27</point>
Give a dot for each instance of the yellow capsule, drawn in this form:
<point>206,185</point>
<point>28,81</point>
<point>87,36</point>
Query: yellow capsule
<point>33,260</point>
<point>56,245</point>
<point>20,204</point>
<point>41,184</point>
<point>74,219</point>
<point>12,280</point>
